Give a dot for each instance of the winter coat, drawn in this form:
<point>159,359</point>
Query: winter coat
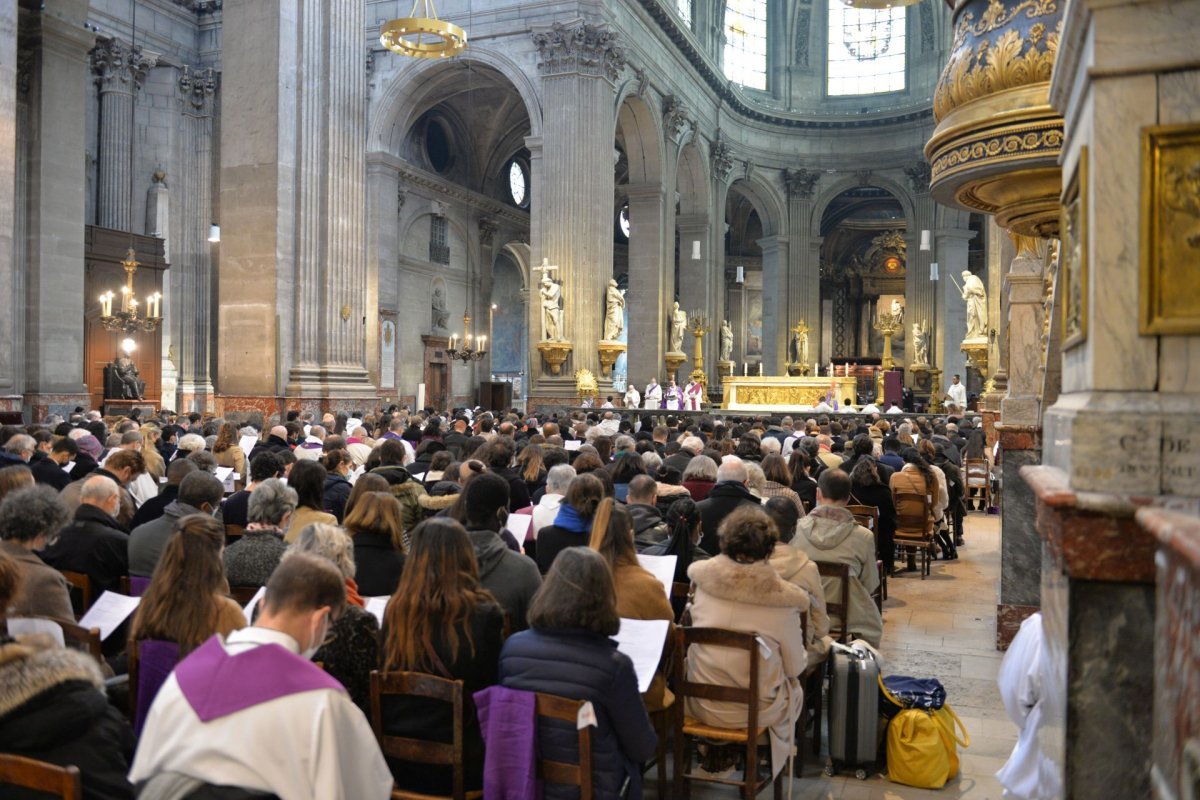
<point>251,559</point>
<point>698,488</point>
<point>555,538</point>
<point>337,492</point>
<point>95,544</point>
<point>518,490</point>
<point>43,590</point>
<point>582,665</point>
<point>665,494</point>
<point>53,709</point>
<point>407,491</point>
<point>750,598</point>
<point>910,481</point>
<point>721,501</point>
<point>649,527</point>
<point>640,595</point>
<point>795,567</point>
<point>273,444</point>
<point>806,489</point>
<point>350,652</point>
<point>47,472</point>
<point>234,458</point>
<point>830,534</point>
<point>154,508</point>
<point>378,565</point>
<point>301,518</point>
<point>511,577</point>
<point>879,496</point>
<point>772,489</point>
<point>146,542</point>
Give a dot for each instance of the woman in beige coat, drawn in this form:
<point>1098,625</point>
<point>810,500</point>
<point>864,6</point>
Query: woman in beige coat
<point>795,567</point>
<point>739,590</point>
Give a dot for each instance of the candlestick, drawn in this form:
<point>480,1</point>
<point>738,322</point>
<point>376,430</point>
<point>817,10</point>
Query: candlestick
<point>760,369</point>
<point>745,368</point>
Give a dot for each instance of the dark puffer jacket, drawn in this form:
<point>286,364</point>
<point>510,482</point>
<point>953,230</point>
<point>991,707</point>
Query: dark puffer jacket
<point>53,708</point>
<point>583,665</point>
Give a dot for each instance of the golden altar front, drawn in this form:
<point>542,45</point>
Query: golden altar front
<point>783,393</point>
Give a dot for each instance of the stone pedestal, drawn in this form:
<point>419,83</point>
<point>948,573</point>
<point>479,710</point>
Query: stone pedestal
<point>1020,546</point>
<point>673,361</point>
<point>609,353</point>
<point>555,355</point>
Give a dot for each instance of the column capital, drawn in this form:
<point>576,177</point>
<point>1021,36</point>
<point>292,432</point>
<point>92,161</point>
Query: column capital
<point>120,67</point>
<point>196,88</point>
<point>579,48</point>
<point>800,183</point>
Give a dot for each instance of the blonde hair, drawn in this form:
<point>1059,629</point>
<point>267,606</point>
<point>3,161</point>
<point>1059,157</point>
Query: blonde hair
<point>329,542</point>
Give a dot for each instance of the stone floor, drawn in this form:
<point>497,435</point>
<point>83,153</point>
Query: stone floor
<point>942,627</point>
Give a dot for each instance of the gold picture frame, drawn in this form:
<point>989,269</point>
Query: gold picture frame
<point>1169,280</point>
<point>1073,255</point>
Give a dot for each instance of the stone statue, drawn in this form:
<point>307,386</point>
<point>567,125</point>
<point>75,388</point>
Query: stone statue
<point>800,348</point>
<point>132,385</point>
<point>552,311</point>
<point>726,341</point>
<point>441,317</point>
<point>614,313</point>
<point>920,337</point>
<point>975,296</point>
<point>897,311</point>
<point>679,322</point>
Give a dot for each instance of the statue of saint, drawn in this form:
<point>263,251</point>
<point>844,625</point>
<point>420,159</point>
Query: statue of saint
<point>800,348</point>
<point>975,296</point>
<point>897,311</point>
<point>551,294</point>
<point>614,313</point>
<point>679,322</point>
<point>726,341</point>
<point>131,382</point>
<point>441,317</point>
<point>920,336</point>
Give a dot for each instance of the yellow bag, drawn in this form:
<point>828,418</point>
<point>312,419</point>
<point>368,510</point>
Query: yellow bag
<point>922,747</point>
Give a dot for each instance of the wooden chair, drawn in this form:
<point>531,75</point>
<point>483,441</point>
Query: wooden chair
<point>841,608</point>
<point>80,589</point>
<point>233,533</point>
<point>579,774</point>
<point>51,779</point>
<point>144,688</point>
<point>978,481</point>
<point>687,728</point>
<point>243,594</point>
<point>662,719</point>
<point>421,751</point>
<point>868,517</point>
<point>680,595</point>
<point>914,529</point>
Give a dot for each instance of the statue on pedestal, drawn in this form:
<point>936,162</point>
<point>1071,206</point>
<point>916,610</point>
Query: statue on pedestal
<point>614,312</point>
<point>920,336</point>
<point>678,324</point>
<point>975,296</point>
<point>440,316</point>
<point>726,341</point>
<point>126,372</point>
<point>551,294</point>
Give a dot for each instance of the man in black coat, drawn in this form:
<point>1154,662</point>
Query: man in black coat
<point>498,455</point>
<point>689,448</point>
<point>153,508</point>
<point>276,442</point>
<point>649,527</point>
<point>47,468</point>
<point>94,543</point>
<point>729,492</point>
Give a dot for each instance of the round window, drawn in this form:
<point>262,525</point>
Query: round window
<point>623,221</point>
<point>518,183</point>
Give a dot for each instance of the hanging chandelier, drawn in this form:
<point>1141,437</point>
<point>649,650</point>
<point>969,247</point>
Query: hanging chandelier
<point>423,36</point>
<point>127,320</point>
<point>466,352</point>
<point>877,5</point>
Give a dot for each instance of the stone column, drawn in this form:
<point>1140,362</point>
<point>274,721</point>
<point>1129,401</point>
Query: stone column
<point>579,64</point>
<point>648,299</point>
<point>120,70</point>
<point>698,289</point>
<point>804,255</point>
<point>192,276</point>
<point>383,201</point>
<point>952,311</point>
<point>9,400</point>
<point>54,298</point>
<point>774,302</point>
<point>921,293</point>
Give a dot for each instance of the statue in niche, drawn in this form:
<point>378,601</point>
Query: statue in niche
<point>552,312</point>
<point>920,337</point>
<point>800,348</point>
<point>132,385</point>
<point>441,317</point>
<point>614,313</point>
<point>726,341</point>
<point>975,296</point>
<point>679,322</point>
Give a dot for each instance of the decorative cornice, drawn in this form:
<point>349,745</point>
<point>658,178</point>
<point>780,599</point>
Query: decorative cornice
<point>579,47</point>
<point>196,88</point>
<point>201,6</point>
<point>119,66</point>
<point>918,176</point>
<point>800,183</point>
<point>411,176</point>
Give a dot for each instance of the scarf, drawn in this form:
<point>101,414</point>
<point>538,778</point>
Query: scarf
<point>352,595</point>
<point>569,519</point>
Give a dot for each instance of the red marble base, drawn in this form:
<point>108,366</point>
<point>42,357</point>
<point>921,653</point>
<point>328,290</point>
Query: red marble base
<point>1016,437</point>
<point>990,420</point>
<point>42,405</point>
<point>1008,622</point>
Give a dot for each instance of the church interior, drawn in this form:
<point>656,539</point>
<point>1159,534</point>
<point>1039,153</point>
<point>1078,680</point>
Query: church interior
<point>954,209</point>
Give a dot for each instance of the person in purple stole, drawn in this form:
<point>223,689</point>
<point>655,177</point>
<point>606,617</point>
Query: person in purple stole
<point>252,711</point>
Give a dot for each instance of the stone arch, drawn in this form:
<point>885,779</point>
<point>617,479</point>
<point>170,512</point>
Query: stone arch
<point>693,181</point>
<point>641,129</point>
<point>766,201</point>
<point>842,183</point>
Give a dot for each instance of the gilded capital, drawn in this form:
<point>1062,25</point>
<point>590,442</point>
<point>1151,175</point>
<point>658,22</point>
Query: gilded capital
<point>119,66</point>
<point>579,47</point>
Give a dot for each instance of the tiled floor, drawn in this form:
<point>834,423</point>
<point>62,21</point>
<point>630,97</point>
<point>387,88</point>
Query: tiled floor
<point>942,627</point>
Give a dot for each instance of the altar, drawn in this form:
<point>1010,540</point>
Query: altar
<point>783,393</point>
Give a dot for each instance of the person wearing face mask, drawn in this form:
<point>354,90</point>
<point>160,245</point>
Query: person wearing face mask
<point>95,543</point>
<point>250,711</point>
<point>338,466</point>
<point>200,492</point>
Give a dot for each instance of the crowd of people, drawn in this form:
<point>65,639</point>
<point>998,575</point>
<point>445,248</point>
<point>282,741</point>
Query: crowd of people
<point>273,697</point>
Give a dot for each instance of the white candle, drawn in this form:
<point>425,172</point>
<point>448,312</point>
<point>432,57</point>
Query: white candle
<point>745,368</point>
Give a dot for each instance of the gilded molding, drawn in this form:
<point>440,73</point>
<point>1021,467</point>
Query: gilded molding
<point>1169,283</point>
<point>1011,60</point>
<point>1016,143</point>
<point>1073,255</point>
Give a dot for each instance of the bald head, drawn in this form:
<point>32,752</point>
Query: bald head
<point>732,469</point>
<point>102,492</point>
<point>279,431</point>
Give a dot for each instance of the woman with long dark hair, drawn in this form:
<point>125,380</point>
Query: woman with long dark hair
<point>866,489</point>
<point>375,523</point>
<point>531,466</point>
<point>683,542</point>
<point>803,483</point>
<point>307,478</point>
<point>443,622</point>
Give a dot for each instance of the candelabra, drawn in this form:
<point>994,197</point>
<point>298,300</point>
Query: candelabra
<point>466,352</point>
<point>698,326</point>
<point>888,325</point>
<point>127,320</point>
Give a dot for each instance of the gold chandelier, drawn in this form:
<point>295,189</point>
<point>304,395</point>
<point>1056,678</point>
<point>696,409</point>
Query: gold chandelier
<point>423,36</point>
<point>879,4</point>
<point>127,319</point>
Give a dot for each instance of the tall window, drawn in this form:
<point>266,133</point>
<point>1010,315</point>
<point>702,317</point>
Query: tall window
<point>746,42</point>
<point>684,9</point>
<point>866,50</point>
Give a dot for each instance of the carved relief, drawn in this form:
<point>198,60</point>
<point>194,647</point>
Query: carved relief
<point>990,67</point>
<point>197,87</point>
<point>675,116</point>
<point>722,157</point>
<point>579,47</point>
<point>1073,256</point>
<point>1170,230</point>
<point>119,66</point>
<point>803,21</point>
<point>918,176</point>
<point>487,231</point>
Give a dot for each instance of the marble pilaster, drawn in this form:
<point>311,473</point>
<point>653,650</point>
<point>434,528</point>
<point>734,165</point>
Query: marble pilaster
<point>8,197</point>
<point>921,293</point>
<point>774,303</point>
<point>648,299</point>
<point>120,69</point>
<point>698,285</point>
<point>952,317</point>
<point>382,252</point>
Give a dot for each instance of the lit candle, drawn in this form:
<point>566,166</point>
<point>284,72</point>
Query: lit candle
<point>481,341</point>
<point>760,369</point>
<point>745,368</point>
<point>124,298</point>
<point>105,305</point>
<point>156,305</point>
<point>454,341</point>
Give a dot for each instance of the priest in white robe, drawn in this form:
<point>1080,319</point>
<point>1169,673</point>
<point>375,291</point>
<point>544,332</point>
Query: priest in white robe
<point>633,398</point>
<point>254,712</point>
<point>653,396</point>
<point>674,397</point>
<point>694,394</point>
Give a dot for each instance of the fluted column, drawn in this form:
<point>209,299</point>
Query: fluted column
<point>649,295</point>
<point>579,64</point>
<point>8,201</point>
<point>191,273</point>
<point>804,254</point>
<point>120,70</point>
<point>774,303</point>
<point>920,293</point>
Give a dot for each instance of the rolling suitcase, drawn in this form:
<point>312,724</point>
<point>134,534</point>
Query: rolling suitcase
<point>853,710</point>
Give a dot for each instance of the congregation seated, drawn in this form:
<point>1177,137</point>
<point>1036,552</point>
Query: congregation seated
<point>831,534</point>
<point>512,578</point>
<point>14,477</point>
<point>778,480</point>
<point>153,508</point>
<point>573,523</point>
<point>252,558</point>
<point>649,527</point>
<point>729,492</point>
<point>30,519</point>
<point>739,590</point>
<point>307,480</point>
<point>53,707</point>
<point>94,543</point>
<point>868,488</point>
<point>338,468</point>
<point>440,621</point>
<point>351,649</point>
<point>252,711</point>
<point>392,456</point>
<point>683,538</point>
<point>374,523</point>
<point>264,466</point>
<point>558,480</point>
<point>47,467</point>
<point>199,493</point>
<point>795,567</point>
<point>568,652</point>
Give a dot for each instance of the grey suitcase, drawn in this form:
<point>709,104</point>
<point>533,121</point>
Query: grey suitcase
<point>853,710</point>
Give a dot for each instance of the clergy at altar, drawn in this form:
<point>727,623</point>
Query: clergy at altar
<point>253,712</point>
<point>632,398</point>
<point>674,397</point>
<point>693,393</point>
<point>653,396</point>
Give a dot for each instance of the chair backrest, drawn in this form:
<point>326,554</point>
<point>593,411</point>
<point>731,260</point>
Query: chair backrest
<point>80,589</point>
<point>910,521</point>
<point>138,585</point>
<point>418,684</point>
<point>839,607</point>
<point>680,595</point>
<point>243,594</point>
<point>717,637</point>
<point>976,470</point>
<point>39,776</point>
<point>233,532</point>
<point>867,516</point>
<point>549,706</point>
<point>150,663</point>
